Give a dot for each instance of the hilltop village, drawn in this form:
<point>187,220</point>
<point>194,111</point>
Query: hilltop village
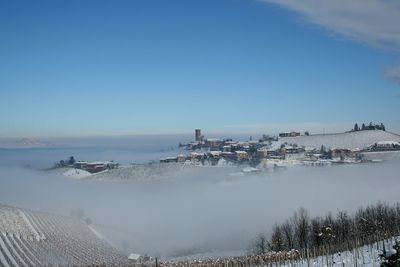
<point>368,143</point>
<point>286,148</point>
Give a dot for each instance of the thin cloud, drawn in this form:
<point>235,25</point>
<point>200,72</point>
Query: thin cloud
<point>374,22</point>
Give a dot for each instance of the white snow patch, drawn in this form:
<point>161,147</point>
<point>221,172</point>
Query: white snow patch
<point>390,252</point>
<point>77,173</point>
<point>35,233</point>
<point>134,256</point>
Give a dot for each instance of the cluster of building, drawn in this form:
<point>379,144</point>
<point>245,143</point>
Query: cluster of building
<point>210,151</point>
<point>92,167</point>
<point>289,134</point>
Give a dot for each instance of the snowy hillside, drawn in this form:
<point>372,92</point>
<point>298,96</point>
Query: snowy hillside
<point>350,140</point>
<point>31,238</point>
<point>140,172</point>
<point>366,256</point>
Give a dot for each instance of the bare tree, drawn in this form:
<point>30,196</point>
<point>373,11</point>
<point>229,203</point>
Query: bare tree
<point>342,226</point>
<point>277,243</point>
<point>288,234</point>
<point>260,244</point>
<point>316,236</point>
<point>302,227</point>
<point>329,234</point>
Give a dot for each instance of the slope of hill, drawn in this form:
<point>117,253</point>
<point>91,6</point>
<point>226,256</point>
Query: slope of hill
<point>350,140</point>
<point>31,238</point>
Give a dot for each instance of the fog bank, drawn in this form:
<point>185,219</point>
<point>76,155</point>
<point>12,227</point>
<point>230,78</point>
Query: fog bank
<point>187,210</point>
<point>201,209</point>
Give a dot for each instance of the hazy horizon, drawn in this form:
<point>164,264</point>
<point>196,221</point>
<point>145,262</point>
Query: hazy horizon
<point>268,129</point>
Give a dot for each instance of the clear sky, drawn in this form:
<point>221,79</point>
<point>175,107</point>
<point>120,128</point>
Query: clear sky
<point>125,67</point>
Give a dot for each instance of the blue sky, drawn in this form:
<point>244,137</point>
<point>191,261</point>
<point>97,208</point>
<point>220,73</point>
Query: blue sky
<point>128,67</point>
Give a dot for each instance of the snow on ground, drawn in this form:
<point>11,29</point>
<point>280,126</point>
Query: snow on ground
<point>36,234</point>
<point>66,242</point>
<point>350,140</point>
<point>140,172</point>
<point>77,173</point>
<point>366,256</point>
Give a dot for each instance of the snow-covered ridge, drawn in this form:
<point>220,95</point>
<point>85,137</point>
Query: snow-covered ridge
<point>349,140</point>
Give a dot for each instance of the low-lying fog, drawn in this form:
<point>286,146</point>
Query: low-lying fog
<point>197,209</point>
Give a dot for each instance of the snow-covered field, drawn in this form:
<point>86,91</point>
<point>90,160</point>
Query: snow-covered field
<point>350,140</point>
<point>32,238</point>
<point>143,173</point>
<point>366,256</point>
<point>140,172</point>
<point>68,241</point>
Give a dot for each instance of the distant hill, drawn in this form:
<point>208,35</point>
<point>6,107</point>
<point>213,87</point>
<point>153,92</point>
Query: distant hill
<point>23,143</point>
<point>30,142</point>
<point>350,140</point>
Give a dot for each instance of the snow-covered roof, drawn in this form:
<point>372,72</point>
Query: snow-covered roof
<point>387,143</point>
<point>133,256</point>
<point>97,163</point>
<point>213,139</point>
<point>266,149</point>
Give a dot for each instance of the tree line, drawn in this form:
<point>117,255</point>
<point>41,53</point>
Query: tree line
<point>331,233</point>
<point>369,126</point>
